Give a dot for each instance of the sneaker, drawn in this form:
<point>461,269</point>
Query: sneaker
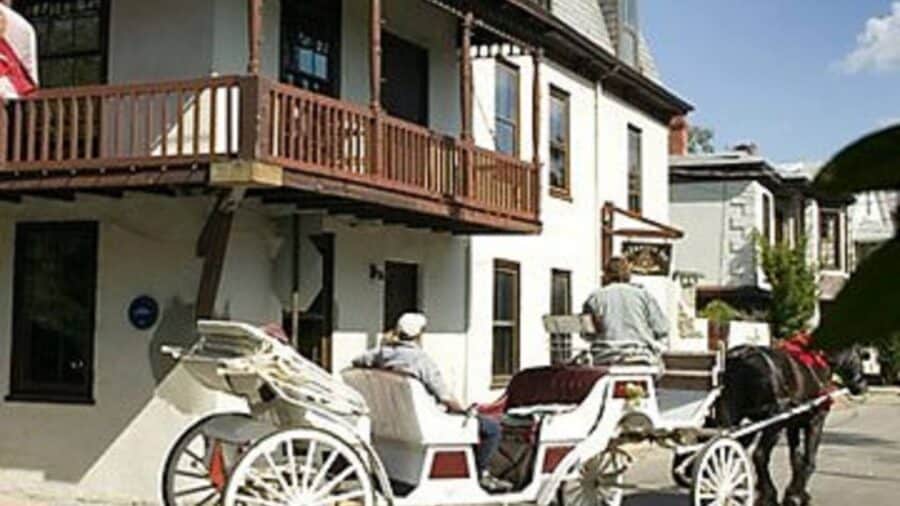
<point>493,484</point>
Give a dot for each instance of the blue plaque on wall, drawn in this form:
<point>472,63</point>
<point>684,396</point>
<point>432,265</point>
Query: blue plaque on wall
<point>143,312</point>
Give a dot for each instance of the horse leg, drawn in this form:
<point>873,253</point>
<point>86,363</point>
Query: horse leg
<point>792,497</point>
<point>767,495</point>
<point>812,438</point>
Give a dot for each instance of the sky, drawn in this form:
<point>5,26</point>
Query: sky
<point>800,78</point>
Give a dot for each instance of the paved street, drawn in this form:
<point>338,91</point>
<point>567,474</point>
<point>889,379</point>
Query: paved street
<point>859,462</point>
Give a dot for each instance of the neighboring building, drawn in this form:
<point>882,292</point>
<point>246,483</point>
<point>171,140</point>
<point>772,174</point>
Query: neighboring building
<point>722,199</point>
<point>320,200</point>
<point>872,220</point>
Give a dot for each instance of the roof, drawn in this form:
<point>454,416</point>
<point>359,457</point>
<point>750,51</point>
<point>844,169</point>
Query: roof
<point>786,179</point>
<point>581,44</point>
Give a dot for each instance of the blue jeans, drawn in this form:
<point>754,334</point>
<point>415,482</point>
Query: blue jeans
<point>489,432</point>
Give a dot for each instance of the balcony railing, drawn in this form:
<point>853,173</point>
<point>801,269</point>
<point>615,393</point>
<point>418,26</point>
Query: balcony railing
<point>199,122</point>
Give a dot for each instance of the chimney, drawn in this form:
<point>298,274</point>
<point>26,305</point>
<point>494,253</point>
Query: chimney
<point>678,136</point>
<point>747,147</point>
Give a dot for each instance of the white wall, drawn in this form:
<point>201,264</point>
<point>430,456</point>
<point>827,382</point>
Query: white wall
<point>719,219</point>
<point>115,448</point>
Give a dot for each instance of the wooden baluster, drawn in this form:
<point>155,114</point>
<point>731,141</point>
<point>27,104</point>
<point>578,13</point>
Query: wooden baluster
<point>229,119</point>
<point>213,119</point>
<point>164,125</point>
<point>179,122</point>
<point>18,138</point>
<point>73,139</point>
<point>60,128</point>
<point>88,127</point>
<point>196,126</point>
<point>45,130</point>
<point>133,124</point>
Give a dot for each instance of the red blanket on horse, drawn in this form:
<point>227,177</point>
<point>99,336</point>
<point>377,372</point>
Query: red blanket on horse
<point>799,346</point>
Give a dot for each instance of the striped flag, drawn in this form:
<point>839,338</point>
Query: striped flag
<point>18,55</point>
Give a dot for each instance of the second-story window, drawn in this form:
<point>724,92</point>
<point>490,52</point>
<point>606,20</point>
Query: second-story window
<point>559,142</point>
<point>628,31</point>
<point>635,170</point>
<point>506,109</point>
<point>72,40</point>
<point>830,240</point>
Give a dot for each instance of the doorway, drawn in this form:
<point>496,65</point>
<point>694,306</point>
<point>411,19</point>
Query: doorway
<point>404,92</point>
<point>401,291</point>
<point>315,322</point>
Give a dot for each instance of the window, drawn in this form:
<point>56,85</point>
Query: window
<point>559,142</point>
<point>72,40</point>
<point>635,170</point>
<point>506,109</point>
<point>310,45</point>
<point>55,285</point>
<point>560,304</point>
<point>767,217</point>
<point>506,320</point>
<point>830,239</point>
<point>628,31</point>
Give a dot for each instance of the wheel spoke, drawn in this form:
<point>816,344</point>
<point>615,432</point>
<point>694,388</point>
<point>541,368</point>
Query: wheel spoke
<point>211,497</point>
<point>192,491</point>
<point>192,474</point>
<point>323,471</point>
<point>195,457</point>
<point>337,499</point>
<point>278,472</point>
<point>257,478</point>
<point>334,482</point>
<point>292,463</point>
<point>307,470</point>
<point>256,500</point>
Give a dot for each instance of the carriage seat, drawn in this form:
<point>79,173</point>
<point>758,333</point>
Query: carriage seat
<point>403,411</point>
<point>566,385</point>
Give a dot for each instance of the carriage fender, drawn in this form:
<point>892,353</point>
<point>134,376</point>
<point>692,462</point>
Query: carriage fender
<point>595,443</point>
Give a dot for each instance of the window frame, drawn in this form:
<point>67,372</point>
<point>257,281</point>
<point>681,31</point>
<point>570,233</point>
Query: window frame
<point>501,378</point>
<point>566,345</point>
<point>102,51</point>
<point>635,179</point>
<point>504,65</point>
<point>21,389</point>
<point>562,97</point>
<point>837,247</point>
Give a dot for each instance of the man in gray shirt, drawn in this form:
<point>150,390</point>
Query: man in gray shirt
<point>400,351</point>
<point>626,312</point>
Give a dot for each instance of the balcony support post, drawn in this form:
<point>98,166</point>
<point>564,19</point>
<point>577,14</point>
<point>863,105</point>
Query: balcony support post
<point>537,55</point>
<point>254,35</point>
<point>465,104</point>
<point>375,85</point>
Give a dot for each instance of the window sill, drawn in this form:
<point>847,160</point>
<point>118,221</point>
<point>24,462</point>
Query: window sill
<point>498,382</point>
<point>49,399</point>
<point>560,193</point>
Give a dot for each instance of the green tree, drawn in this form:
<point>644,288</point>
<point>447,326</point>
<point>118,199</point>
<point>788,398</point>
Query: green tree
<point>794,288</point>
<point>700,140</point>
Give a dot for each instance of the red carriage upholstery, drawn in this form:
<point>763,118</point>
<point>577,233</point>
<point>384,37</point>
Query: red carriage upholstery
<point>552,385</point>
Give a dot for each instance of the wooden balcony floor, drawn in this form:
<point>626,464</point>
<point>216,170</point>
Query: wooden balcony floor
<point>335,155</point>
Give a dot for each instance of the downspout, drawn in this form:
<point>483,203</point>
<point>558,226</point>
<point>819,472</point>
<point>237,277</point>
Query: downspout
<point>598,93</point>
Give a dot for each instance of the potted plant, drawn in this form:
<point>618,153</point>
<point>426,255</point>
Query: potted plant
<point>719,315</point>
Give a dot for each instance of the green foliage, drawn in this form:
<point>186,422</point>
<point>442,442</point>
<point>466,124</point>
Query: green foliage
<point>700,140</point>
<point>794,287</point>
<point>719,312</point>
<point>870,163</point>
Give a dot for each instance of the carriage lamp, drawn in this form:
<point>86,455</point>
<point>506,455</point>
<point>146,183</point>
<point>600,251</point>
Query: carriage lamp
<point>631,391</point>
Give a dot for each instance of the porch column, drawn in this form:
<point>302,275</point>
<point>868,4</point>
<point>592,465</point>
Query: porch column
<point>375,82</point>
<point>254,34</point>
<point>606,238</point>
<point>465,103</point>
<point>536,58</point>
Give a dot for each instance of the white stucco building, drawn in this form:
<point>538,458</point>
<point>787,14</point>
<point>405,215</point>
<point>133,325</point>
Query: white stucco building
<point>723,199</point>
<point>271,181</point>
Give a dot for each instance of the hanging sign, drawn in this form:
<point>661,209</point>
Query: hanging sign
<point>18,55</point>
<point>648,259</point>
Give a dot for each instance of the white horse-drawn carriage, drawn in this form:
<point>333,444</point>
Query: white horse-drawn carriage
<point>373,437</point>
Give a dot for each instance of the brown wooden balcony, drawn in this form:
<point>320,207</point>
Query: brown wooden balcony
<point>323,152</point>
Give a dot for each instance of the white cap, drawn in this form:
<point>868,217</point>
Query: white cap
<point>411,325</point>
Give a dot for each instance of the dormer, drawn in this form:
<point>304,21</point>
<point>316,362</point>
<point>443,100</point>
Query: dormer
<point>629,38</point>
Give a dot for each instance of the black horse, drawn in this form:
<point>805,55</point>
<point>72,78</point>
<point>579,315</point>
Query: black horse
<point>763,382</point>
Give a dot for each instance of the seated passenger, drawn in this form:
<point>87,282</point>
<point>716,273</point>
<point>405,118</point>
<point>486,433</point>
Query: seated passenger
<point>625,313</point>
<point>400,351</point>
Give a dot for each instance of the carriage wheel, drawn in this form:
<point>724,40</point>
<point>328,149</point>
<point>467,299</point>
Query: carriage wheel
<point>300,467</point>
<point>723,475</point>
<point>186,478</point>
<point>598,482</point>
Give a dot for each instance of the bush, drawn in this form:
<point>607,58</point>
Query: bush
<point>794,287</point>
